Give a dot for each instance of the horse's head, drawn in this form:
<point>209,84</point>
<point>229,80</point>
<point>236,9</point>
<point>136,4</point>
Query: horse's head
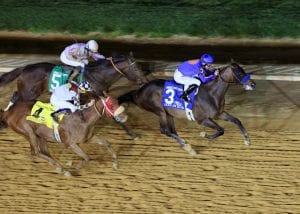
<point>110,107</point>
<point>235,74</point>
<point>127,66</point>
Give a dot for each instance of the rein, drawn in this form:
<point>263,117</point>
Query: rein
<point>105,107</point>
<point>117,69</point>
<point>105,110</point>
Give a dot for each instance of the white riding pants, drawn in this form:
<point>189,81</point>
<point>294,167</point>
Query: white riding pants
<point>59,104</point>
<point>185,80</point>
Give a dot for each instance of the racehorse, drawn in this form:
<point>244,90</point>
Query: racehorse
<point>208,104</point>
<point>32,80</point>
<point>74,128</point>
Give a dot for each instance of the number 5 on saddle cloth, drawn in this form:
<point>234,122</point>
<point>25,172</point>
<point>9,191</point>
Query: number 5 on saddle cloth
<point>59,76</point>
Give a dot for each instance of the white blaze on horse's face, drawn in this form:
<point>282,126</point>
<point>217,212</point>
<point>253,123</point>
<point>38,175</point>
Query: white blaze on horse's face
<point>249,85</point>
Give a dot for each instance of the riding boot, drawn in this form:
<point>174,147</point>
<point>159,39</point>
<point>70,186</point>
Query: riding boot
<point>185,95</point>
<point>56,114</point>
<point>74,73</point>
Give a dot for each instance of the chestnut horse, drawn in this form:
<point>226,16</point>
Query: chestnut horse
<point>208,104</point>
<point>74,128</point>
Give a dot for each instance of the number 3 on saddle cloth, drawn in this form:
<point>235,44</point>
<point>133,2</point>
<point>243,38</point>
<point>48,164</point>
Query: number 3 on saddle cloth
<point>171,98</point>
<point>59,76</point>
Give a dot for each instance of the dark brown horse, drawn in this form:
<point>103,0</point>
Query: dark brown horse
<point>74,129</point>
<point>208,105</point>
<point>33,79</point>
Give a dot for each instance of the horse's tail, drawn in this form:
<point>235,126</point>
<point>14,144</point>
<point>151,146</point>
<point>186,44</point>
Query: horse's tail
<point>127,97</point>
<point>10,76</point>
<point>3,123</point>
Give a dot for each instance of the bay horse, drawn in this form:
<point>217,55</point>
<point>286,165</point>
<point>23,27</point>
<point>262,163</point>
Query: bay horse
<point>209,103</point>
<point>32,79</point>
<point>74,128</point>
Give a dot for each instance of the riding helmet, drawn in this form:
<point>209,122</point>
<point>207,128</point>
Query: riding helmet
<point>207,58</point>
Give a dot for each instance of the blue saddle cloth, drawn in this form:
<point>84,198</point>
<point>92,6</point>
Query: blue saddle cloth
<point>171,96</point>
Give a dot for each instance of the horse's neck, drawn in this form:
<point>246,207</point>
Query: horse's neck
<point>217,88</point>
<point>90,115</point>
<point>105,75</point>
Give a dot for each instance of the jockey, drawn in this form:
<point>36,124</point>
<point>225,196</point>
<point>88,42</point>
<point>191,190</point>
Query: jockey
<point>65,98</point>
<point>192,73</point>
<point>78,54</point>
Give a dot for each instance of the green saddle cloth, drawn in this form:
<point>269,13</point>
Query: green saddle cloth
<point>59,76</point>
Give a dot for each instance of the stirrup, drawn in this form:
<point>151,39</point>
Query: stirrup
<point>185,97</point>
<point>54,116</point>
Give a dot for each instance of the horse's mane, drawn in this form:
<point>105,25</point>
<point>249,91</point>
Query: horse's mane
<point>87,97</point>
<point>119,58</point>
<point>106,63</point>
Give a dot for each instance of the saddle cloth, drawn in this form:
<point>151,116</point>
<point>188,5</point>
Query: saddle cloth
<point>41,113</point>
<point>171,96</point>
<point>59,76</point>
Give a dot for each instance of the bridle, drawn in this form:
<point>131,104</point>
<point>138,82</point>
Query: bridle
<point>108,112</point>
<point>242,80</point>
<point>117,69</point>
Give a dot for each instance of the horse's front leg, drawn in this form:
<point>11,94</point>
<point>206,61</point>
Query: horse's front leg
<point>77,150</point>
<point>227,117</point>
<point>107,145</point>
<point>129,131</point>
<point>213,125</point>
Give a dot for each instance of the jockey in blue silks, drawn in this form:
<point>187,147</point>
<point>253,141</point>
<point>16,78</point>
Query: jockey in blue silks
<point>192,73</point>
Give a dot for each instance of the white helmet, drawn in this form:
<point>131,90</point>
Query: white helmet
<point>92,46</point>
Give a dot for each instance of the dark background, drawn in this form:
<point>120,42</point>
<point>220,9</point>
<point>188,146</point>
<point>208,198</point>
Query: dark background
<point>243,53</point>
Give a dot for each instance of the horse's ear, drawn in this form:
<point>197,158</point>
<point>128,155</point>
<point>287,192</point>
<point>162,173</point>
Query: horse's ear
<point>131,54</point>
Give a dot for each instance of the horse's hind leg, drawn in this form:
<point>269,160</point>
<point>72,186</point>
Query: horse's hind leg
<point>213,125</point>
<point>14,98</point>
<point>39,148</point>
<point>227,117</point>
<point>167,127</point>
<point>44,154</point>
<point>29,92</point>
<point>107,145</point>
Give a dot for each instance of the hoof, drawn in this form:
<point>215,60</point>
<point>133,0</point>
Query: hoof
<point>136,138</point>
<point>247,142</point>
<point>189,149</point>
<point>202,134</point>
<point>67,174</point>
<point>69,163</point>
<point>59,170</point>
<point>115,166</point>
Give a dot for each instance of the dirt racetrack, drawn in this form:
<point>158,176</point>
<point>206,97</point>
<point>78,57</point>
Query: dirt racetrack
<point>156,176</point>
